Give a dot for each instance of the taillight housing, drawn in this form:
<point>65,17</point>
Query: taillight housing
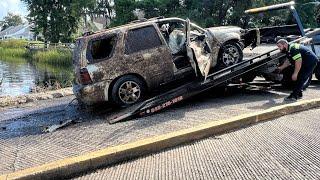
<point>85,76</point>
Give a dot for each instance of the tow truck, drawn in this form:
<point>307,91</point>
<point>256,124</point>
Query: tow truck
<point>190,89</point>
<point>267,36</point>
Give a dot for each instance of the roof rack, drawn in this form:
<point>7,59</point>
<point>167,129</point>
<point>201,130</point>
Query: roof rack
<point>139,20</point>
<point>88,33</point>
<point>144,19</point>
<point>155,18</point>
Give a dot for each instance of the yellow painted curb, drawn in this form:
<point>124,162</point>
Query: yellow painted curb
<point>70,167</point>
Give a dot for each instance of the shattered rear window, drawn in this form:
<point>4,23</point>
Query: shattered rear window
<point>101,48</point>
<point>142,39</point>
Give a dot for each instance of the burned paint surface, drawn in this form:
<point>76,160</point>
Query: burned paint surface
<point>148,57</point>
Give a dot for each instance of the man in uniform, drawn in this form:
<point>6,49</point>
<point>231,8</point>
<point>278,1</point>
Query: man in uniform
<point>304,61</point>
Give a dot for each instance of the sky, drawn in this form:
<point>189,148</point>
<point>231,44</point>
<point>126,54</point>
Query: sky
<point>13,6</point>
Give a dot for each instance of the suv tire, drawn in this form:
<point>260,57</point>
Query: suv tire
<point>128,90</point>
<point>230,54</point>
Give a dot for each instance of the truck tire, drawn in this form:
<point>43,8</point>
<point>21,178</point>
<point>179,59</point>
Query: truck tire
<point>317,71</point>
<point>286,80</point>
<point>249,77</point>
<point>128,90</point>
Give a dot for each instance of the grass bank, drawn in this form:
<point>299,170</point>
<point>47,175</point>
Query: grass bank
<point>6,53</point>
<point>13,43</point>
<point>13,48</point>
<point>10,49</point>
<point>52,57</point>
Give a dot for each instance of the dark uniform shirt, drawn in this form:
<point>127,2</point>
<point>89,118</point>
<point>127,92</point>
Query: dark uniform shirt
<point>299,51</point>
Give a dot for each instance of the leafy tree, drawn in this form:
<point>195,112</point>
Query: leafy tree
<point>123,12</point>
<point>10,20</point>
<point>57,20</point>
<point>100,8</point>
<point>318,15</point>
<point>308,11</point>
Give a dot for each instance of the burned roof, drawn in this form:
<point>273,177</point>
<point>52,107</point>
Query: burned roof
<point>132,24</point>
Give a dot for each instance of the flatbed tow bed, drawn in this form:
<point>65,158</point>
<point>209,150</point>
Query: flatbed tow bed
<point>193,88</point>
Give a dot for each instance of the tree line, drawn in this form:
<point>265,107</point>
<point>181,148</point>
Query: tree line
<point>59,20</point>
<point>10,20</point>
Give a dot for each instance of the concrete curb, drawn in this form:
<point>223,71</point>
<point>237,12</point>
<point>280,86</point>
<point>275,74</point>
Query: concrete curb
<point>11,101</point>
<point>69,167</point>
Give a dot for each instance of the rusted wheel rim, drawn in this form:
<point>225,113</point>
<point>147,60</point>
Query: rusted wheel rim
<point>129,92</point>
<point>230,55</point>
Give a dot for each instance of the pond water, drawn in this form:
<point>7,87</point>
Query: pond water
<point>19,76</point>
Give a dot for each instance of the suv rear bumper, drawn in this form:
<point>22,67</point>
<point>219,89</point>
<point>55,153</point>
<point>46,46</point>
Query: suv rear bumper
<point>92,93</point>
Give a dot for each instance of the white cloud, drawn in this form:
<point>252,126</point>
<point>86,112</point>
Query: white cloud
<point>13,6</point>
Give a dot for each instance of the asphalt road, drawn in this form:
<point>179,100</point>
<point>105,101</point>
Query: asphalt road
<point>284,148</point>
<point>23,144</point>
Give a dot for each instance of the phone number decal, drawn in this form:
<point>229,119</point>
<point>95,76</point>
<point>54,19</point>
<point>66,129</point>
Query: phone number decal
<point>162,106</point>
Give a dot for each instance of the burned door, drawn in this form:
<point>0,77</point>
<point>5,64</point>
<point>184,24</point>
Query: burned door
<point>198,49</point>
<point>148,55</point>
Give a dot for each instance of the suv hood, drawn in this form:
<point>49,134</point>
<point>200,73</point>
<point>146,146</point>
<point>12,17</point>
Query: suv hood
<point>224,29</point>
<point>225,33</point>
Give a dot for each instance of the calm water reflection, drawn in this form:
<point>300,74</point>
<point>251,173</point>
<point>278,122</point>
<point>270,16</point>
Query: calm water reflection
<point>20,76</point>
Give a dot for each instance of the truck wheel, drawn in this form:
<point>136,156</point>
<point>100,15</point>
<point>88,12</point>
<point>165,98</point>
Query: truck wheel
<point>286,80</point>
<point>249,77</point>
<point>317,75</point>
<point>230,54</point>
<point>317,71</point>
<point>128,90</point>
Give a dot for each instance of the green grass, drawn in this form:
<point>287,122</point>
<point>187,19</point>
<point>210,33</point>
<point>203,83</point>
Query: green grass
<point>53,57</point>
<point>10,49</point>
<point>13,43</point>
<point>14,60</point>
<point>13,48</point>
<point>12,52</point>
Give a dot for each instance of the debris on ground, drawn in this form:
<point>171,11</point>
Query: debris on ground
<point>62,124</point>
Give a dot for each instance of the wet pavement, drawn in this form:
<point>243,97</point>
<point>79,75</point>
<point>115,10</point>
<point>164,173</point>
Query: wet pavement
<point>284,148</point>
<point>23,143</point>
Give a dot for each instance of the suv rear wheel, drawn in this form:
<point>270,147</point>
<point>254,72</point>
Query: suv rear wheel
<point>128,90</point>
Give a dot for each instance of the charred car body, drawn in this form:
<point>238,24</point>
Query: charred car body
<point>123,63</point>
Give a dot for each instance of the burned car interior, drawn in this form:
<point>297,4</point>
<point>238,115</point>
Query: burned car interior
<point>101,48</point>
<point>175,34</point>
<point>175,37</point>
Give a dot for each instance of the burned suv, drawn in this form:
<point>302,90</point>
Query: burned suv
<point>122,64</point>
